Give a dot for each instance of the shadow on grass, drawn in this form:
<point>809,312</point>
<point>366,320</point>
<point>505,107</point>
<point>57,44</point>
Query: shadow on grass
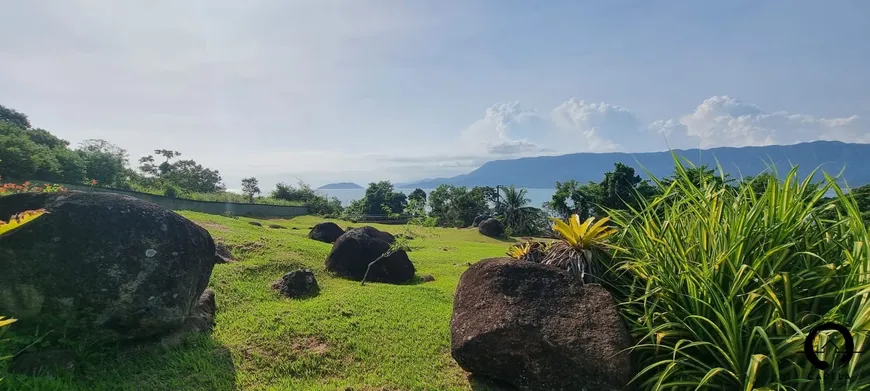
<point>483,383</point>
<point>199,363</point>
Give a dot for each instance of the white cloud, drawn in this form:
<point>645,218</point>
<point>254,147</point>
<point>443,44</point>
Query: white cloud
<point>726,121</point>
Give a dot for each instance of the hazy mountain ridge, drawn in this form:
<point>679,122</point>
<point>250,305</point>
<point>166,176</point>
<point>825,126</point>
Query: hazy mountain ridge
<point>340,185</point>
<point>545,171</point>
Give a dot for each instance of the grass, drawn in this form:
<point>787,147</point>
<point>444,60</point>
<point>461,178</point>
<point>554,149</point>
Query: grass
<point>373,337</point>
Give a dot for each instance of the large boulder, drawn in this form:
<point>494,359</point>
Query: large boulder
<point>491,227</point>
<point>353,251</point>
<point>327,232</point>
<point>479,219</point>
<point>102,265</point>
<point>534,327</point>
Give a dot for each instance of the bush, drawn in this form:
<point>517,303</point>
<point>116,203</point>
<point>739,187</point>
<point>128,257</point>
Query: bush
<point>720,288</point>
<point>171,191</point>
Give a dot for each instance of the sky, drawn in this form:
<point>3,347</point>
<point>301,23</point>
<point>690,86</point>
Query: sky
<point>364,90</point>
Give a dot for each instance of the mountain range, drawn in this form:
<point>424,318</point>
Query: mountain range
<point>544,171</point>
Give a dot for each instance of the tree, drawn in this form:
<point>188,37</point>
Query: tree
<point>104,161</point>
<point>13,117</point>
<point>190,176</point>
<point>619,187</point>
<point>417,195</point>
<point>519,218</point>
<point>571,197</point>
<point>317,204</point>
<point>380,197</point>
<point>454,206</point>
<point>250,188</point>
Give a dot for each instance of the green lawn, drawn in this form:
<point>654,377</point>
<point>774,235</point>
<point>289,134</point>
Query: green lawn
<point>373,337</point>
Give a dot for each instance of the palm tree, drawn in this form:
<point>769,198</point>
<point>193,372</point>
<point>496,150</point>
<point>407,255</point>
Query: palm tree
<point>514,209</point>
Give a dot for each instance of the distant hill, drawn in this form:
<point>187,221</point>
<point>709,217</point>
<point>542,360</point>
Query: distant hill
<point>340,185</point>
<point>544,171</point>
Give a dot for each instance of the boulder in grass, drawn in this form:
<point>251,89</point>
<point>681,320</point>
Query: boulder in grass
<point>491,227</point>
<point>255,223</point>
<point>327,232</point>
<point>477,220</point>
<point>532,326</point>
<point>223,254</point>
<point>101,265</point>
<point>353,251</point>
<point>297,283</point>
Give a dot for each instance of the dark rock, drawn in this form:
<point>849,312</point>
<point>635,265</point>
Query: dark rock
<point>353,251</point>
<point>295,228</point>
<point>200,321</point>
<point>532,326</point>
<point>222,253</point>
<point>477,220</point>
<point>491,227</point>
<point>327,232</point>
<point>107,266</point>
<point>203,316</point>
<point>427,278</point>
<point>276,226</point>
<point>298,283</point>
<point>255,223</point>
<point>36,362</point>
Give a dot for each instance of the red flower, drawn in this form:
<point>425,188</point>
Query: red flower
<point>93,181</point>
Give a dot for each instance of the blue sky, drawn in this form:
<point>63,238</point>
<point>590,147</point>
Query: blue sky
<point>357,90</point>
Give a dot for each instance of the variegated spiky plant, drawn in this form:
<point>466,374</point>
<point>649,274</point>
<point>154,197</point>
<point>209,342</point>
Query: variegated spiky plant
<point>581,245</point>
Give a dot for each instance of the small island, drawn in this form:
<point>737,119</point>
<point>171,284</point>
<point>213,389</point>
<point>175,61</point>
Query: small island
<point>340,185</point>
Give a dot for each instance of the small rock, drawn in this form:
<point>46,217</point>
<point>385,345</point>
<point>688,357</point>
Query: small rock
<point>276,226</point>
<point>222,253</point>
<point>427,278</point>
<point>294,228</point>
<point>298,283</point>
<point>255,223</point>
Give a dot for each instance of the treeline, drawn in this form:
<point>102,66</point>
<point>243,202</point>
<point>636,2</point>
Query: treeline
<point>28,152</point>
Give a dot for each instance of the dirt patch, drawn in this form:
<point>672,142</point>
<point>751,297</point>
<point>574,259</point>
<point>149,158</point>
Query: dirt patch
<point>246,246</point>
<point>309,345</point>
<point>214,226</point>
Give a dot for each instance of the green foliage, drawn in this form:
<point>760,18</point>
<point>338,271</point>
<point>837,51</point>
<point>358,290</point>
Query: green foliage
<point>104,162</point>
<point>417,195</point>
<point>518,217</point>
<point>381,199</point>
<point>456,206</point>
<point>315,202</point>
<point>12,117</point>
<point>620,189</point>
<point>250,187</point>
<point>171,191</point>
<point>720,287</point>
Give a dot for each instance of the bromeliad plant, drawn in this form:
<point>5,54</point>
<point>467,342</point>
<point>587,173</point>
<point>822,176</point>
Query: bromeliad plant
<point>528,251</point>
<point>582,245</point>
<point>20,219</point>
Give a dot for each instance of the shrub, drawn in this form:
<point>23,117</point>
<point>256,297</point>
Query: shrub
<point>720,287</point>
<point>171,191</point>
